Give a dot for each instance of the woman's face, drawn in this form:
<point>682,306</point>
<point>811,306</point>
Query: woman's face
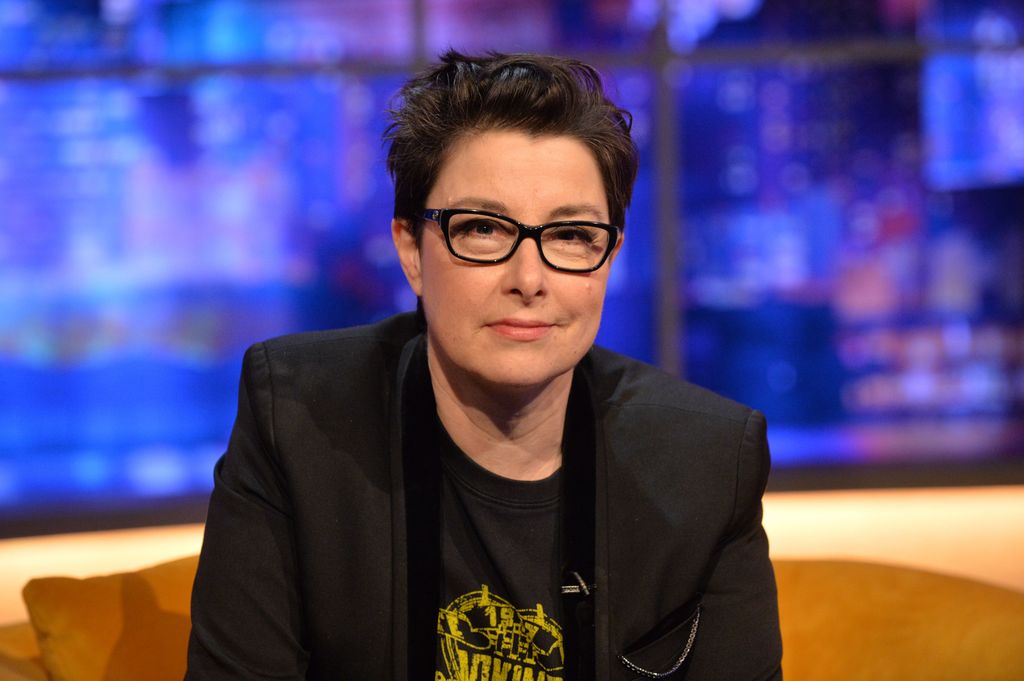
<point>516,324</point>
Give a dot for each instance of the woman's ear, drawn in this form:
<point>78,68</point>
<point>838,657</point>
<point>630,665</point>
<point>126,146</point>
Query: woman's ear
<point>408,253</point>
<point>618,247</point>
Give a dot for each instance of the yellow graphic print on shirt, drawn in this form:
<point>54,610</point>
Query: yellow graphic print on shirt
<point>483,637</point>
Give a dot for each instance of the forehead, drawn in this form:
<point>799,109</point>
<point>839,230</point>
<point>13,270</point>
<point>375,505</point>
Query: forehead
<point>519,172</point>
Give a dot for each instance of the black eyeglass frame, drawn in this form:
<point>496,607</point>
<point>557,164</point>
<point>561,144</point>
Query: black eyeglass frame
<point>442,216</point>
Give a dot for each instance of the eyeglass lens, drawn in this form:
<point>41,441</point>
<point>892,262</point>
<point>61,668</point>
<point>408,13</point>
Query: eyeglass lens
<point>571,245</point>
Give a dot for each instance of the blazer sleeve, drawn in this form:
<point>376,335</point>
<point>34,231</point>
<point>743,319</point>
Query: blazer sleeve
<point>738,635</point>
<point>246,607</point>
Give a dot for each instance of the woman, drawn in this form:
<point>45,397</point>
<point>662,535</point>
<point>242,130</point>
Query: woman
<point>476,491</point>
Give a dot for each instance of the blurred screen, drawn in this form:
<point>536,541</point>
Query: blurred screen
<point>77,34</point>
<point>152,231</point>
<point>854,253</point>
<point>180,179</point>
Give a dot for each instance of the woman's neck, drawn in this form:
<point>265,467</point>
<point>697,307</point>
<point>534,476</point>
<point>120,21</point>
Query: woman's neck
<point>514,432</point>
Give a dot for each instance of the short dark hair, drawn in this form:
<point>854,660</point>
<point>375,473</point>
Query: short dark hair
<point>535,94</point>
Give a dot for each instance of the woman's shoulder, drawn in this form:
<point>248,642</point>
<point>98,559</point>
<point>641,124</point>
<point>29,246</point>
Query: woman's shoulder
<point>330,363</point>
<point>626,383</point>
<point>354,343</point>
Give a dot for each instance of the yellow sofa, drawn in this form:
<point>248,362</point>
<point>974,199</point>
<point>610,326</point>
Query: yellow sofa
<point>841,621</point>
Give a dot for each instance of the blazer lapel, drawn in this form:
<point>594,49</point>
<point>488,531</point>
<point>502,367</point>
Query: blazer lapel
<point>415,494</point>
<point>578,506</point>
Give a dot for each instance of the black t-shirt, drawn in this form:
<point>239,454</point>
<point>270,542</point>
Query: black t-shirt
<point>500,552</point>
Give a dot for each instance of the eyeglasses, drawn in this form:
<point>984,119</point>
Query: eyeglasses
<point>484,237</point>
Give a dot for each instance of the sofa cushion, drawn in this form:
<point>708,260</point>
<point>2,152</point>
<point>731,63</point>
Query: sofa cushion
<point>851,621</point>
<point>19,654</point>
<point>841,620</point>
<point>131,626</point>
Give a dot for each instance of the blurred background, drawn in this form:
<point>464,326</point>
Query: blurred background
<point>828,224</point>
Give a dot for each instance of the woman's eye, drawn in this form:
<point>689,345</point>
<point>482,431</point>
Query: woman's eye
<point>480,228</point>
<point>483,227</point>
<point>574,234</point>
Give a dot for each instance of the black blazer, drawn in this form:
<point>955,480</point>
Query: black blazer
<point>310,567</point>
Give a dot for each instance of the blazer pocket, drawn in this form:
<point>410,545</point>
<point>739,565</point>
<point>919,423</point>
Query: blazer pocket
<point>663,650</point>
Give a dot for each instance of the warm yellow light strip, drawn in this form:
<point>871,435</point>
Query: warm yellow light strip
<point>975,532</point>
<point>85,554</point>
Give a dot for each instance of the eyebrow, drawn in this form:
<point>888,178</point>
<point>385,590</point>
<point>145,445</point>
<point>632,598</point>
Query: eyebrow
<point>569,210</point>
